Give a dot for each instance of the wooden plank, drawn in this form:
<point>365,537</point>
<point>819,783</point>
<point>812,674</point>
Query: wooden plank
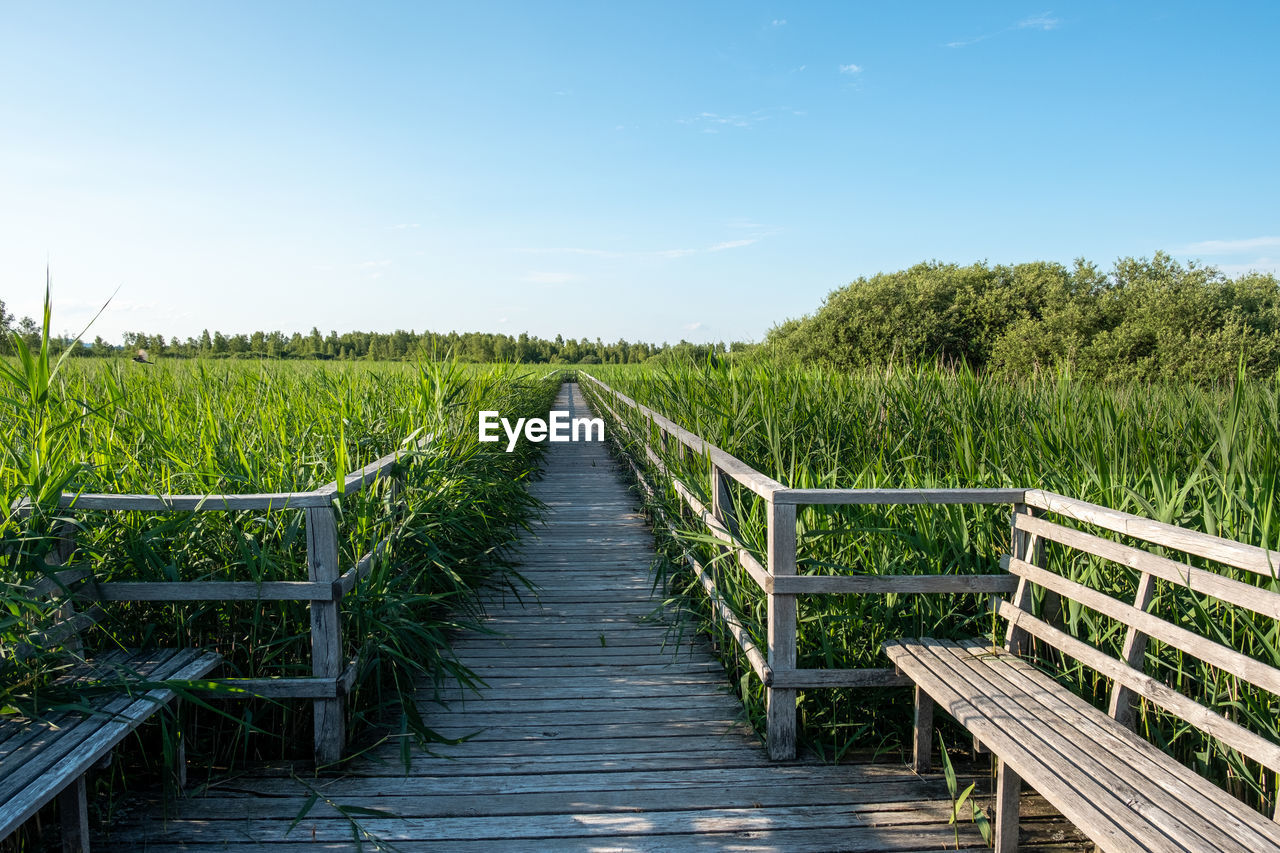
<point>1258,748</point>
<point>1150,814</point>
<point>801,679</point>
<point>781,702</point>
<point>1249,596</point>
<point>1230,660</point>
<point>1133,653</point>
<point>1032,750</point>
<point>326,634</point>
<point>192,503</point>
<point>22,798</point>
<point>886,584</point>
<point>1159,770</point>
<point>897,497</point>
<point>1248,557</point>
<point>214,591</point>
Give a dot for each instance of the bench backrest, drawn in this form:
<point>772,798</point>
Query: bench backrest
<point>1164,586</point>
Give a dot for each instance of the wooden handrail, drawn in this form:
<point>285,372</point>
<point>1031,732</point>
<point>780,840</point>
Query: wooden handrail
<point>778,581</point>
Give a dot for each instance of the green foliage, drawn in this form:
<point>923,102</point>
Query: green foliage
<point>1202,458</point>
<point>1146,320</point>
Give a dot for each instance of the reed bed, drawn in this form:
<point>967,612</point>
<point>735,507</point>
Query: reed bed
<point>200,427</point>
<point>1203,458</point>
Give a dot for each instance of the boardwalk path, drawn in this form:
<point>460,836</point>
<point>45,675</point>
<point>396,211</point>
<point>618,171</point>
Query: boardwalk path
<point>598,731</point>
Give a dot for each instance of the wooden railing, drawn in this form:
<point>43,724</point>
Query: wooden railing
<point>331,677</point>
<point>776,666</point>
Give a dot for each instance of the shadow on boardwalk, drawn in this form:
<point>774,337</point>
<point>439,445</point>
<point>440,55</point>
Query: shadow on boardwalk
<point>595,733</point>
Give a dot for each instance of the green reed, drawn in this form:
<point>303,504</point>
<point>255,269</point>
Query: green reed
<point>1206,459</point>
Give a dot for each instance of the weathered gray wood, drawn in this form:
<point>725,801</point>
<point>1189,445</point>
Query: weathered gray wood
<point>781,702</point>
<point>73,808</point>
<point>1248,557</point>
<point>193,503</point>
<point>326,634</point>
<point>922,732</point>
<point>1240,665</point>
<point>1158,772</point>
<point>1246,595</point>
<point>1109,799</point>
<point>897,497</point>
<point>884,584</point>
<point>214,591</point>
<point>1132,653</point>
<point>1008,808</point>
<point>801,679</point>
<point>1258,748</point>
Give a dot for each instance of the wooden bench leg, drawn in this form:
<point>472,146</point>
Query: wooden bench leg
<point>180,720</point>
<point>73,805</point>
<point>922,741</point>
<point>1008,803</point>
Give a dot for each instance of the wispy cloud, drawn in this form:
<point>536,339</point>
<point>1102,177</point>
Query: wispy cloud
<point>404,226</point>
<point>374,264</point>
<point>1044,21</point>
<point>778,22</point>
<point>693,327</point>
<point>714,122</point>
<point>552,277</point>
<point>730,244</point>
<point>851,69</point>
<point>675,253</point>
<point>1229,247</point>
<point>1262,265</point>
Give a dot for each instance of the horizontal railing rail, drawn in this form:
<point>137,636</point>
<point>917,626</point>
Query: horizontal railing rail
<point>331,677</point>
<point>776,665</point>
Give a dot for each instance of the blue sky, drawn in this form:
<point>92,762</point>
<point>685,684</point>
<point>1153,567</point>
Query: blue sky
<point>650,171</point>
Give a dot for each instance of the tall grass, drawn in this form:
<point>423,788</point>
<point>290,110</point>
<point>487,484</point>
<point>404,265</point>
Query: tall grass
<point>198,427</point>
<point>1206,459</point>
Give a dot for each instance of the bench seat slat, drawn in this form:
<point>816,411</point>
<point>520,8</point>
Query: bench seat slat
<point>1132,774</point>
<point>32,783</point>
<point>1074,753</point>
<point>19,733</point>
<point>28,764</point>
<point>1194,791</point>
<point>1019,714</point>
<point>1021,757</point>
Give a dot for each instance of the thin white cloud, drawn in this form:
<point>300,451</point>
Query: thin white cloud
<point>1043,21</point>
<point>551,277</point>
<point>778,22</point>
<point>713,122</point>
<point>374,264</point>
<point>730,244</point>
<point>572,250</point>
<point>851,69</point>
<point>404,226</point>
<point>1262,265</point>
<point>693,327</point>
<point>675,253</point>
<point>1229,247</point>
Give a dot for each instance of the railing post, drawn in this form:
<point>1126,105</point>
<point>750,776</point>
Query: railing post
<point>1134,651</point>
<point>781,703</point>
<point>326,632</point>
<point>1022,546</point>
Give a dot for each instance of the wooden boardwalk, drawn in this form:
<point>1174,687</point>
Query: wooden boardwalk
<point>600,729</point>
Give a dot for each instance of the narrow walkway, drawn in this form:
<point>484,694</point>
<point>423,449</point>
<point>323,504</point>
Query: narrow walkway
<point>599,730</point>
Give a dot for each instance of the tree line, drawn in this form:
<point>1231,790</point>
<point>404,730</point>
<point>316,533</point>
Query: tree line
<point>399,345</point>
<point>1144,319</point>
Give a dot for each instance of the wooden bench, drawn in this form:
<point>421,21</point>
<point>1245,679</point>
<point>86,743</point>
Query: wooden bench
<point>47,758</point>
<point>1116,787</point>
